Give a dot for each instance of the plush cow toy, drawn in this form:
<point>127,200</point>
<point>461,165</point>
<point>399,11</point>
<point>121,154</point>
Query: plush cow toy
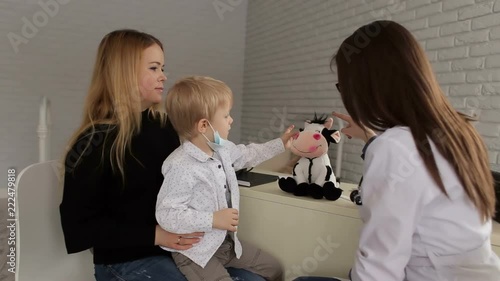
<point>313,175</point>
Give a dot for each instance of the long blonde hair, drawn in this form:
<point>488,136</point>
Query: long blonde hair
<point>113,97</point>
<point>385,80</point>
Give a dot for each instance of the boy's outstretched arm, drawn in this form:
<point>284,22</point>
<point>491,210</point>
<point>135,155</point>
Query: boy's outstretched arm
<point>245,156</point>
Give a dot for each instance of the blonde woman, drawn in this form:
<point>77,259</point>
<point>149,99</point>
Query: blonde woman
<point>427,190</point>
<point>113,166</point>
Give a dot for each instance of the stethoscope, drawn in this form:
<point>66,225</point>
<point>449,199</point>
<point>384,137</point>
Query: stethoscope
<point>355,194</point>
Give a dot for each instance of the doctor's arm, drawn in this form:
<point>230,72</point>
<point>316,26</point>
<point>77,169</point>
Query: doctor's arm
<point>390,210</point>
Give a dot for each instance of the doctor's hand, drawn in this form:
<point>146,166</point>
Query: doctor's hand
<point>176,241</point>
<point>287,136</point>
<point>226,219</point>
<point>353,130</point>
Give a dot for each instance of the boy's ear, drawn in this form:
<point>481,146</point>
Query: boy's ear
<point>201,126</point>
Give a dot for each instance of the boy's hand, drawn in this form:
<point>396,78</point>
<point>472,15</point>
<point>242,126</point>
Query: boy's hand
<point>287,136</point>
<point>226,219</point>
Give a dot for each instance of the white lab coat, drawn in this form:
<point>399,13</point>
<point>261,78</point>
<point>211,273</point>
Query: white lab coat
<point>194,188</point>
<point>412,231</point>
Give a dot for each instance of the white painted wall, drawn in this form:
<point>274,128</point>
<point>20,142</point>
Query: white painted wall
<point>205,37</point>
<point>290,43</point>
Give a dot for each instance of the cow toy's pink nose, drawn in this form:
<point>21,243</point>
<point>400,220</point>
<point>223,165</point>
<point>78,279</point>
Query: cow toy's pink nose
<point>316,136</point>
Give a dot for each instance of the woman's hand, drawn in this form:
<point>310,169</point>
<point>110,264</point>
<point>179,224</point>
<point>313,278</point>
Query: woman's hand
<point>176,241</point>
<point>353,130</point>
<point>287,136</point>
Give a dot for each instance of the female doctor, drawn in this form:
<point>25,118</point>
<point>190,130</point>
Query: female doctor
<point>427,191</point>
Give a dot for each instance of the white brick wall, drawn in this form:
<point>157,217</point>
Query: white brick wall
<point>290,43</point>
<point>57,60</point>
<point>286,55</point>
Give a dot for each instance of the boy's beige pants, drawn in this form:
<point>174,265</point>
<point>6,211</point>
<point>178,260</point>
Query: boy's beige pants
<point>252,259</point>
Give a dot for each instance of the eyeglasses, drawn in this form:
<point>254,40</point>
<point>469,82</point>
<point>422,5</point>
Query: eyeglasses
<point>338,86</point>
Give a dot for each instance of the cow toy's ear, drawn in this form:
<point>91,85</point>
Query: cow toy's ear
<point>336,136</point>
<point>308,122</point>
<point>328,123</point>
<point>331,135</point>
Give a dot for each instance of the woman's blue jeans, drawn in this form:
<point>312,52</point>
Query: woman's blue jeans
<point>157,268</point>
<point>315,279</point>
<point>304,278</point>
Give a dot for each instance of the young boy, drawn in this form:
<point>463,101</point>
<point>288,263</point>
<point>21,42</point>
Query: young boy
<point>200,190</point>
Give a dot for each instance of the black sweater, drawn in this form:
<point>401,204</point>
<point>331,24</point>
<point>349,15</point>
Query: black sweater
<point>98,211</point>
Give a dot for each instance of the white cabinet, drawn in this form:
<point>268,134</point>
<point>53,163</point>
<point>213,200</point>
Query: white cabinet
<point>496,249</point>
<point>310,237</point>
<point>495,238</point>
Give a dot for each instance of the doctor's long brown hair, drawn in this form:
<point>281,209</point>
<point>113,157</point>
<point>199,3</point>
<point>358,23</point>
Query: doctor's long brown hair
<point>385,80</point>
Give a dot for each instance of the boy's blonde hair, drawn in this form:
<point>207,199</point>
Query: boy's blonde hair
<point>194,98</point>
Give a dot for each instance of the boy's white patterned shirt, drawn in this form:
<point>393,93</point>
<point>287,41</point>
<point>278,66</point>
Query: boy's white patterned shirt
<point>194,187</point>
